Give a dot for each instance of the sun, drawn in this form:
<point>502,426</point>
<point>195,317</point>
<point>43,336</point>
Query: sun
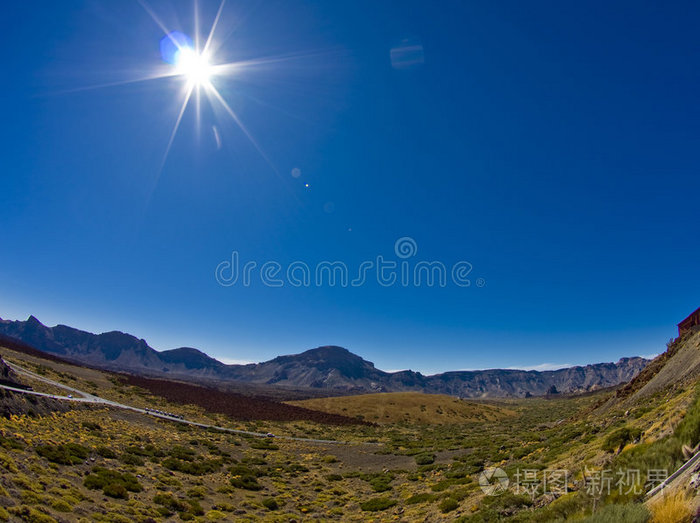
<point>193,60</point>
<point>194,66</point>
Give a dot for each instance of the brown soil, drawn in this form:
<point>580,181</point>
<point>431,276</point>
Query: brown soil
<point>234,405</point>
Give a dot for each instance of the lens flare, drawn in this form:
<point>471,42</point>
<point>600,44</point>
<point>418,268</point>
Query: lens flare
<point>194,60</point>
<point>171,44</point>
<point>193,66</point>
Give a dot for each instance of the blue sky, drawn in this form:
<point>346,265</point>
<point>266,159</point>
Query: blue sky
<point>551,145</point>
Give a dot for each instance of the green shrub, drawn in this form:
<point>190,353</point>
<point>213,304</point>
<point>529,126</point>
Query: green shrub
<point>31,498</point>
<point>115,490</point>
<point>195,508</point>
<point>423,497</point>
<point>264,444</point>
<point>147,451</point>
<point>106,452</point>
<point>195,468</point>
<point>182,453</point>
<point>377,504</point>
<point>448,505</point>
<point>197,492</point>
<point>295,469</point>
<point>61,505</point>
<point>11,443</point>
<point>379,482</point>
<point>498,507</point>
<point>424,459</point>
<point>246,482</point>
<point>131,459</point>
<point>446,483</point>
<point>565,508</point>
<point>170,502</point>
<point>91,425</point>
<point>225,507</point>
<point>31,515</point>
<point>67,454</point>
<point>245,470</point>
<point>110,480</point>
<point>7,463</point>
<point>187,511</point>
<point>270,504</point>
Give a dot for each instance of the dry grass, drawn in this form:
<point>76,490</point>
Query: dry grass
<point>409,407</point>
<point>672,508</point>
<point>313,480</point>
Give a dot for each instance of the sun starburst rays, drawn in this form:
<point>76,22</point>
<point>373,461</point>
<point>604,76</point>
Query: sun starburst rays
<point>188,94</point>
<point>196,65</point>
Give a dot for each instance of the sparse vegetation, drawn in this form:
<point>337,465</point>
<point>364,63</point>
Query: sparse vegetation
<point>106,452</point>
<point>270,504</point>
<point>376,504</point>
<point>101,460</point>
<point>671,508</point>
<point>66,454</point>
<point>621,437</point>
<point>112,483</point>
<point>425,459</point>
<point>407,407</point>
<point>628,513</point>
<point>448,505</point>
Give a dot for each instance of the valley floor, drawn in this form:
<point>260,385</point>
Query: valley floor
<point>426,458</point>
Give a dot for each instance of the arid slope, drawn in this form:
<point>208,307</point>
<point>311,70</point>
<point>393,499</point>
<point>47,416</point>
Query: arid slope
<point>409,407</point>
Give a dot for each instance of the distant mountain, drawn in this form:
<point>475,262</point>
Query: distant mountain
<point>192,359</point>
<point>324,368</point>
<point>111,350</point>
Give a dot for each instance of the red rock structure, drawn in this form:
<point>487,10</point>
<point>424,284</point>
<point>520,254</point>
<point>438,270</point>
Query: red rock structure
<point>689,323</point>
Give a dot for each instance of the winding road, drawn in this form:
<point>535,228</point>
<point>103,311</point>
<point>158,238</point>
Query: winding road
<point>84,397</point>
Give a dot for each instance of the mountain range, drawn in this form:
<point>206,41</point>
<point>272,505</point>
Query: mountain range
<point>330,368</point>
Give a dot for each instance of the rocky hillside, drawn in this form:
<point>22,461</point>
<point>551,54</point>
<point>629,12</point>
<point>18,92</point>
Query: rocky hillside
<point>325,368</point>
<point>677,367</point>
<point>7,375</point>
<point>506,382</point>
